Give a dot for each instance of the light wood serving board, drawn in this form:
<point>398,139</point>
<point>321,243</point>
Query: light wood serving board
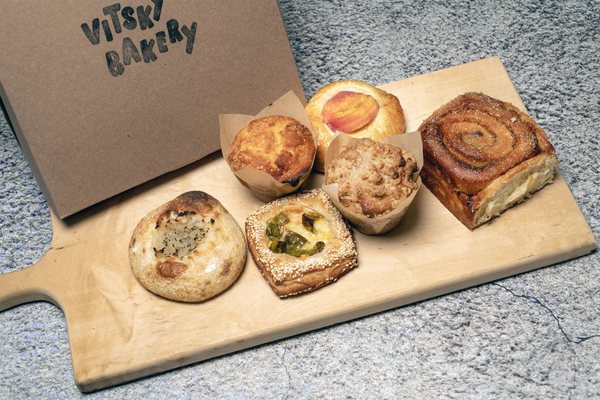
<point>118,331</point>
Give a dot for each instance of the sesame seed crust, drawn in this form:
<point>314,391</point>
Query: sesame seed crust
<point>288,275</point>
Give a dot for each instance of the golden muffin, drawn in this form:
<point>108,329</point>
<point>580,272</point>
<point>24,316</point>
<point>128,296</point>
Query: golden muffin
<point>277,145</point>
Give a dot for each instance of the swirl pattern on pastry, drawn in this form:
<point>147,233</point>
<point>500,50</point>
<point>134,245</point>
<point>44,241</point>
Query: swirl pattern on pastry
<point>475,138</point>
<point>355,108</point>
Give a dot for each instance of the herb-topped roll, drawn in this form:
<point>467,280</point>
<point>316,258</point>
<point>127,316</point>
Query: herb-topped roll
<point>300,243</point>
<point>189,249</point>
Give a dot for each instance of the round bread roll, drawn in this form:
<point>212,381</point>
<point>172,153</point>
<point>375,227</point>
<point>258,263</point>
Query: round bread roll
<point>277,145</point>
<point>373,178</point>
<point>355,108</point>
<point>189,249</point>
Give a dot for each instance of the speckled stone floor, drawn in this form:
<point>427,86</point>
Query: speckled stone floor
<point>536,335</point>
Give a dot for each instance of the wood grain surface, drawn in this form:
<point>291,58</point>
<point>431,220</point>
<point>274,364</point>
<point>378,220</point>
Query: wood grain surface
<point>119,331</point>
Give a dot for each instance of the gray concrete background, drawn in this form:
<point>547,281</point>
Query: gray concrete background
<point>536,335</point>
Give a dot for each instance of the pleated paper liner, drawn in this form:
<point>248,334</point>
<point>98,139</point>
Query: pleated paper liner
<point>263,185</point>
<point>379,225</point>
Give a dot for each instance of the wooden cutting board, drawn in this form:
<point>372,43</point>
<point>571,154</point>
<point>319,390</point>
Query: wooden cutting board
<point>118,331</point>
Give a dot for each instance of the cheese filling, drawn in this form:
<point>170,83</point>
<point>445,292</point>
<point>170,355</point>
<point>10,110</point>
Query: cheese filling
<point>298,233</point>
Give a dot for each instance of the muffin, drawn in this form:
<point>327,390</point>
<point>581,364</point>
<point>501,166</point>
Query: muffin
<point>373,178</point>
<point>355,108</point>
<point>278,145</point>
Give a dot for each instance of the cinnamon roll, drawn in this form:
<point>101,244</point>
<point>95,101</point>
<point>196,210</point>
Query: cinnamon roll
<point>482,156</point>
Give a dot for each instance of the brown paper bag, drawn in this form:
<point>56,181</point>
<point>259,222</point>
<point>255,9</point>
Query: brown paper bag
<point>384,223</point>
<point>101,102</point>
<point>259,182</point>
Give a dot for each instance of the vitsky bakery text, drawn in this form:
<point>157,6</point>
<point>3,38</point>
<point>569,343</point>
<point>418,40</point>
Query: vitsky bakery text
<point>119,19</point>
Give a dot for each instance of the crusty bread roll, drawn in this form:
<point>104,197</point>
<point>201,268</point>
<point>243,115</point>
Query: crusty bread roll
<point>300,243</point>
<point>276,144</point>
<point>373,178</point>
<point>189,249</point>
<point>482,156</point>
<point>355,108</point>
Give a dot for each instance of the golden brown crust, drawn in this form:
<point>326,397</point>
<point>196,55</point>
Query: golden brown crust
<point>191,202</point>
<point>277,145</point>
<point>189,249</point>
<point>475,138</point>
<point>457,202</point>
<point>373,178</point>
<point>389,120</point>
<point>288,275</point>
<point>482,156</point>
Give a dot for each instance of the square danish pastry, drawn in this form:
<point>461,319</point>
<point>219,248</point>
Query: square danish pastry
<point>300,243</point>
<point>482,156</point>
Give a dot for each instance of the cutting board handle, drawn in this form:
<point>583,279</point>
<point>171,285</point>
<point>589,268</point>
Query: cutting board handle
<point>26,285</point>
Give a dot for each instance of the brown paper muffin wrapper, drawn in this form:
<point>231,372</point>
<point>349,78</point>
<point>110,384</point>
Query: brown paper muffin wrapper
<point>410,142</point>
<point>259,182</point>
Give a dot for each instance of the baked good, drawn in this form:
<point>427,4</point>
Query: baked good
<point>482,156</point>
<point>355,108</point>
<point>189,249</point>
<point>373,178</point>
<point>300,243</point>
<point>276,144</point>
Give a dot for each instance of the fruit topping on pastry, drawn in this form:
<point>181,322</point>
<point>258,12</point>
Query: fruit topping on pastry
<point>349,111</point>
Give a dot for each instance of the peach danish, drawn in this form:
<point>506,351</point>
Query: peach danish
<point>354,108</point>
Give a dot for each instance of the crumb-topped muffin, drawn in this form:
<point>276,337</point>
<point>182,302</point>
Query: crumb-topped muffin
<point>276,144</point>
<point>373,178</point>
